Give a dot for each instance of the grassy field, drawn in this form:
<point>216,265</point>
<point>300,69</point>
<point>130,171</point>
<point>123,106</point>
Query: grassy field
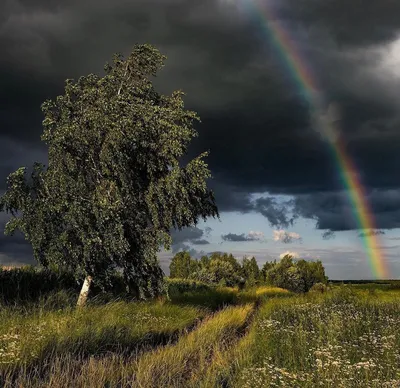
<point>264,337</point>
<point>348,337</point>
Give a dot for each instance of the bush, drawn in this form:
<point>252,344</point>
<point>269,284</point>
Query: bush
<point>319,287</point>
<point>297,276</point>
<point>30,284</point>
<point>180,286</point>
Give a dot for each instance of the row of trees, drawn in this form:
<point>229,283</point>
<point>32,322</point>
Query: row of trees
<point>224,269</point>
<point>219,268</point>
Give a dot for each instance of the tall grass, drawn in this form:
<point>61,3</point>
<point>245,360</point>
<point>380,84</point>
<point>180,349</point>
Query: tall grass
<point>182,364</point>
<point>345,338</point>
<point>213,298</point>
<point>348,336</point>
<point>120,327</point>
<point>185,363</point>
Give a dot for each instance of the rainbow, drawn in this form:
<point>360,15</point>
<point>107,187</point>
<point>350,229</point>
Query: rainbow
<point>307,84</point>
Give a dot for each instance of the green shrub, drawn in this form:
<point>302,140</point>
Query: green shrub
<point>30,284</point>
<point>180,286</point>
<point>297,276</point>
<point>319,287</point>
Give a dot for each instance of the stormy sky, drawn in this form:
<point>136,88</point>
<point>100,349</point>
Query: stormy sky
<point>277,184</point>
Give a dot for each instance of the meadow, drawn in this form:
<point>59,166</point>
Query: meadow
<point>200,336</point>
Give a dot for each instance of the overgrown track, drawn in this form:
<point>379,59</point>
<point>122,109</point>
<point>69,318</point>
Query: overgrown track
<point>194,360</point>
<point>194,356</point>
<point>184,364</point>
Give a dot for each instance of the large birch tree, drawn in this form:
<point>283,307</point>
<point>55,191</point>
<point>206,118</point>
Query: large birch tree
<point>114,186</point>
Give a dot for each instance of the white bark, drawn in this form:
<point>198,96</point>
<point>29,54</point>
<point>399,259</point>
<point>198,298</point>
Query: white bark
<point>84,292</point>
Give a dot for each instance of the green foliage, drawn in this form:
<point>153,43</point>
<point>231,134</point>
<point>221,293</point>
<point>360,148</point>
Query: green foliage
<point>218,269</point>
<point>114,186</point>
<point>266,267</point>
<point>204,261</point>
<point>319,287</point>
<point>182,265</point>
<point>223,272</point>
<point>251,272</point>
<point>204,275</point>
<point>228,258</point>
<point>180,286</point>
<point>29,284</point>
<point>297,276</point>
<point>312,272</point>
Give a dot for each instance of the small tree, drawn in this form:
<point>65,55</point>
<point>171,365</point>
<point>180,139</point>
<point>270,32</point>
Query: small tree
<point>251,272</point>
<point>266,267</point>
<point>312,272</point>
<point>227,258</point>
<point>223,272</point>
<point>182,265</point>
<point>204,275</point>
<point>114,187</point>
<point>204,262</point>
<point>297,276</point>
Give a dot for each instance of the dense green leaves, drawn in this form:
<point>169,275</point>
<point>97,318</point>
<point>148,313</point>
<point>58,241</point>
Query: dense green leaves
<point>225,269</point>
<point>297,276</point>
<point>251,271</point>
<point>114,187</point>
<point>182,265</point>
<point>218,269</point>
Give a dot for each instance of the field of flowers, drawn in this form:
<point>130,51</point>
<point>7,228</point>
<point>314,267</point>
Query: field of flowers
<point>347,337</point>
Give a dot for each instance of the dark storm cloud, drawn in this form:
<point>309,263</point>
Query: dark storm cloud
<point>186,234</point>
<point>327,235</point>
<point>371,233</point>
<point>184,239</point>
<point>13,249</point>
<point>200,242</point>
<point>348,23</point>
<point>235,237</point>
<point>276,213</point>
<point>230,198</point>
<point>251,236</point>
<point>334,211</point>
<point>254,119</point>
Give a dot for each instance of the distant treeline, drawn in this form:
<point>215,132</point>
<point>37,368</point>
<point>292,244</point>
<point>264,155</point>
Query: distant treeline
<point>386,281</point>
<point>225,270</point>
<point>30,283</point>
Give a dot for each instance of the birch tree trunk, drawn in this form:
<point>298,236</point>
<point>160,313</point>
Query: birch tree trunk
<point>84,292</point>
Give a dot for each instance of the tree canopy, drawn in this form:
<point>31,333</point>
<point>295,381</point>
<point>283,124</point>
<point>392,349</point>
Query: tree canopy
<point>113,188</point>
<point>225,269</point>
<point>296,276</point>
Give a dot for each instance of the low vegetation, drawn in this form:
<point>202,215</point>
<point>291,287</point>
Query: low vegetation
<point>198,335</point>
<point>344,338</point>
<point>120,327</point>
